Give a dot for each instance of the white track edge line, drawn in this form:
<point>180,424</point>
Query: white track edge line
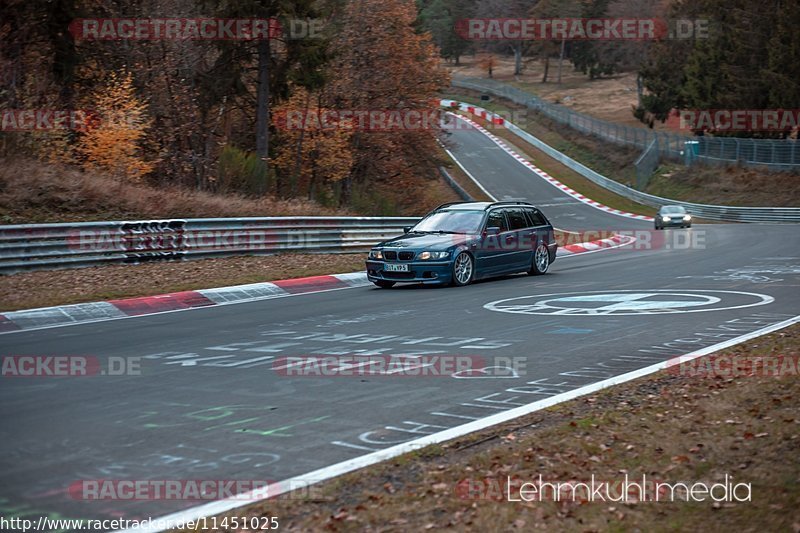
<point>468,173</point>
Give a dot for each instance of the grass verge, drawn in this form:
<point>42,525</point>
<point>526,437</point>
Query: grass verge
<point>670,426</point>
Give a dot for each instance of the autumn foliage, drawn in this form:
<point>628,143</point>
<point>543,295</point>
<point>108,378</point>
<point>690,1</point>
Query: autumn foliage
<point>191,113</point>
<point>116,130</point>
<point>314,159</point>
<point>381,64</point>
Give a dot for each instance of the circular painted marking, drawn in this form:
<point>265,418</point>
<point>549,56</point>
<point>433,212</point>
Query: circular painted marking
<point>628,302</point>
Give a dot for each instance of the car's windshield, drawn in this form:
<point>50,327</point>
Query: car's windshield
<point>456,221</point>
<point>673,210</point>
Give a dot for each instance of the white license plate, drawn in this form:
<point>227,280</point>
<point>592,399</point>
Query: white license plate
<point>389,267</point>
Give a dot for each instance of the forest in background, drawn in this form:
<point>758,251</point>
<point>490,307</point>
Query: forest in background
<point>193,113</point>
<point>201,114</point>
<point>740,54</point>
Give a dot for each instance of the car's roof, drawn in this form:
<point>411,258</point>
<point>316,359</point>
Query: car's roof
<point>468,205</point>
<point>472,206</point>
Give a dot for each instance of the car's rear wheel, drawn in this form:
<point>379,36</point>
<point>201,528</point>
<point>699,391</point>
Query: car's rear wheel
<point>541,260</point>
<point>383,284</point>
<point>463,269</point>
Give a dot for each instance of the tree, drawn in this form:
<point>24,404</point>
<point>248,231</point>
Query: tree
<point>783,59</point>
<point>547,48</point>
<point>112,143</point>
<point>587,55</point>
<point>382,63</point>
<point>517,9</point>
<point>440,17</point>
<point>747,61</point>
<point>279,61</point>
<point>314,158</point>
<point>488,63</point>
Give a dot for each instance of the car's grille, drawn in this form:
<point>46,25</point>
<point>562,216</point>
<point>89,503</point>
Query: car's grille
<point>398,275</point>
<point>390,255</point>
<point>406,256</point>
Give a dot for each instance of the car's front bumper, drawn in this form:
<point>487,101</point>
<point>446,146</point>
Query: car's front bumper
<point>675,222</point>
<point>419,271</point>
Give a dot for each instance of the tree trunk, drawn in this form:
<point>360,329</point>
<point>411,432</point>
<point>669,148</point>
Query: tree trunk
<point>298,161</point>
<point>262,106</point>
<point>561,59</point>
<point>639,88</point>
<point>517,59</point>
<point>546,69</point>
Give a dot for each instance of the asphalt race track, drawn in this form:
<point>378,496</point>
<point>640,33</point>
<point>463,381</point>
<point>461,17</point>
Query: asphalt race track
<point>209,405</point>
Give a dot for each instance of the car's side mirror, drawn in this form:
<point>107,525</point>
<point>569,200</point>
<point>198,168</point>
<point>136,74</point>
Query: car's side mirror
<point>492,230</point>
<point>406,229</point>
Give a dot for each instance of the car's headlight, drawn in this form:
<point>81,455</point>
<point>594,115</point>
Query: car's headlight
<point>665,219</point>
<point>424,256</point>
<point>687,217</point>
<point>375,254</point>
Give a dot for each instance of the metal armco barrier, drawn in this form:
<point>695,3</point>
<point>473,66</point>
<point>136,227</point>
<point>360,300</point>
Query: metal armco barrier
<point>722,213</point>
<point>56,246</point>
<point>467,197</point>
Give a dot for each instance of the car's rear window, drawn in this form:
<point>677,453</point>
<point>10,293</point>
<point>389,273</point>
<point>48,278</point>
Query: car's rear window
<point>516,218</point>
<point>535,217</point>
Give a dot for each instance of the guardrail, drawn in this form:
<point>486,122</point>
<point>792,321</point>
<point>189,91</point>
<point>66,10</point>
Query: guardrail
<point>722,213</point>
<point>467,197</point>
<point>55,246</point>
<point>774,154</point>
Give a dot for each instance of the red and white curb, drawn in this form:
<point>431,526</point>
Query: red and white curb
<point>68,315</point>
<point>615,241</point>
<point>500,121</point>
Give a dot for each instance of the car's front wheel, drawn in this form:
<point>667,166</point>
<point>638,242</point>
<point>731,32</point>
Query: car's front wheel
<point>463,269</point>
<point>383,284</point>
<point>541,260</point>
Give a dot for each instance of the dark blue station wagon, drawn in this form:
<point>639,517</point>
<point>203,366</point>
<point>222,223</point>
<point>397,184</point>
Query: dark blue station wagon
<point>461,242</point>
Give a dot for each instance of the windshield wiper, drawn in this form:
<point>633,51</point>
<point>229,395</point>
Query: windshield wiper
<point>438,231</point>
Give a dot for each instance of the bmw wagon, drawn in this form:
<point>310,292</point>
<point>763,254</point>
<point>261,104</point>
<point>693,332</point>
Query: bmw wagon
<point>458,243</point>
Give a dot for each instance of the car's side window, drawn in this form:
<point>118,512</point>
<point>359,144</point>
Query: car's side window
<point>516,219</point>
<point>497,219</point>
<point>535,217</point>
